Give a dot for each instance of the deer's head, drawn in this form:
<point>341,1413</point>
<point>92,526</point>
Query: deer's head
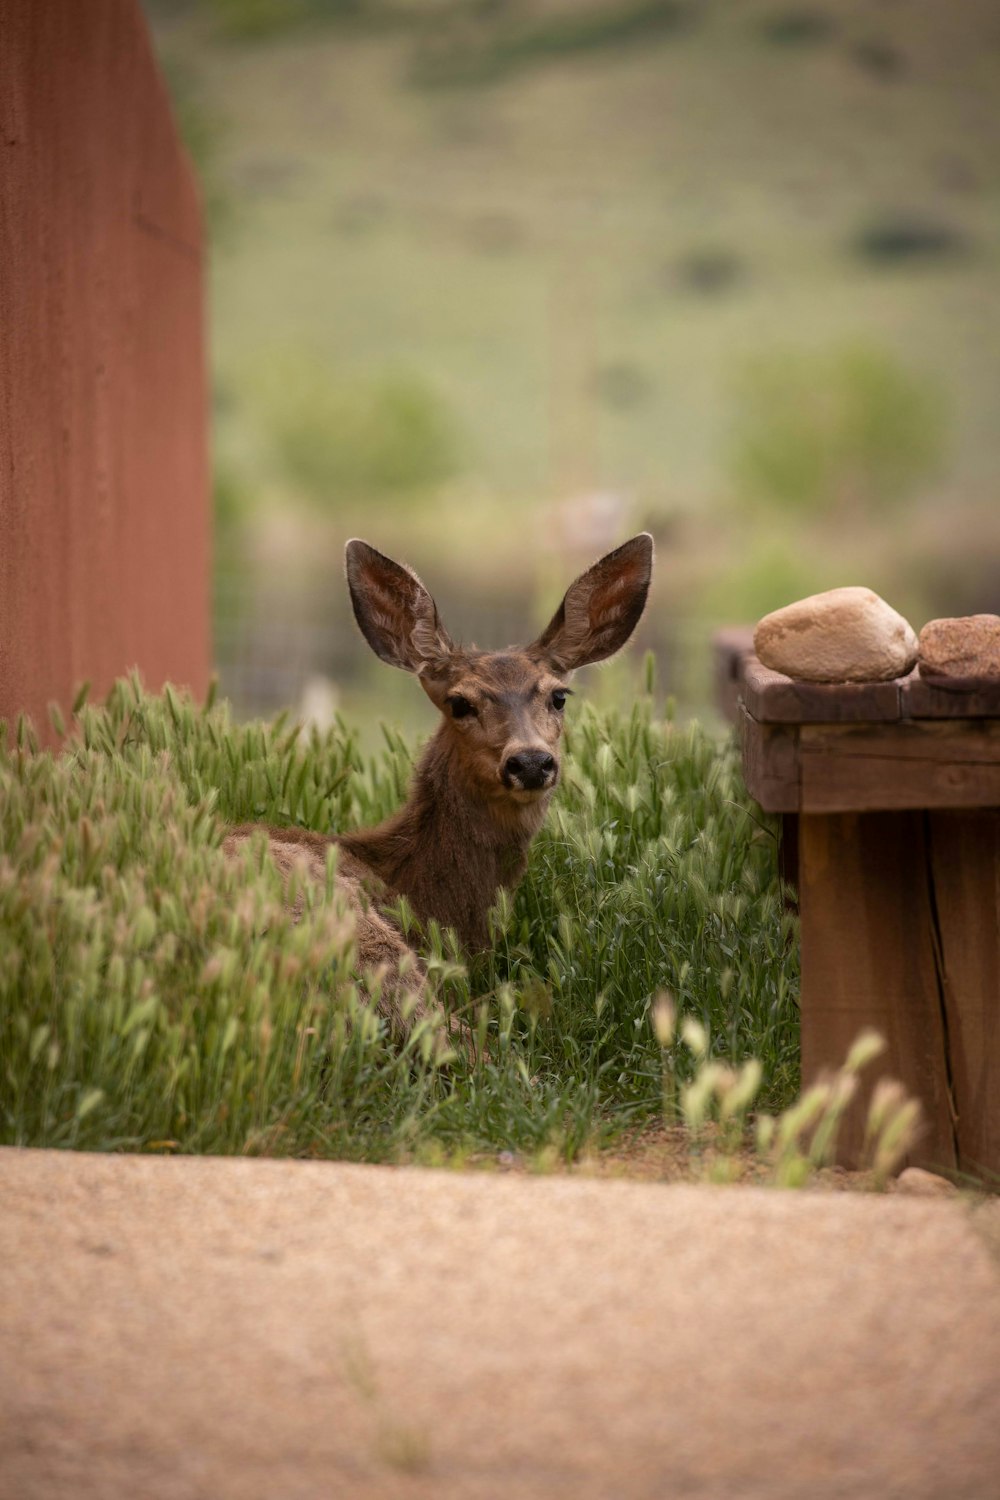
<point>502,710</point>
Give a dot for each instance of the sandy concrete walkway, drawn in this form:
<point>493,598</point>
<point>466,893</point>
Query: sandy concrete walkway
<point>210,1328</point>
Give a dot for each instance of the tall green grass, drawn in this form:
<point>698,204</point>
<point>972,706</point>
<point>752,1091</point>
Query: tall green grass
<point>153,995</point>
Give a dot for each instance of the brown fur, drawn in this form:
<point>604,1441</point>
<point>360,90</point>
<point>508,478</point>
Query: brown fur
<point>382,952</point>
<point>466,827</point>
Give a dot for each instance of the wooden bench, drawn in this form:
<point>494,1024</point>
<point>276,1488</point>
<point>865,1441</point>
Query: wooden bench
<point>890,802</point>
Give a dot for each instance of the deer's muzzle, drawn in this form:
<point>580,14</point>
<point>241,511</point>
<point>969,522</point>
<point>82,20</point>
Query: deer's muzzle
<point>529,771</point>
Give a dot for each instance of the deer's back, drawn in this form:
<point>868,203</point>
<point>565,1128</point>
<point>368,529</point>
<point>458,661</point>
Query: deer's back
<point>301,852</point>
<point>381,948</point>
<point>293,850</point>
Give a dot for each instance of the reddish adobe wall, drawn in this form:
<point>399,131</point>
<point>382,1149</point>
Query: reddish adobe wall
<point>103,455</point>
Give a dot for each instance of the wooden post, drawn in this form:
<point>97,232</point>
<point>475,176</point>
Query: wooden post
<point>894,790</point>
<point>104,481</point>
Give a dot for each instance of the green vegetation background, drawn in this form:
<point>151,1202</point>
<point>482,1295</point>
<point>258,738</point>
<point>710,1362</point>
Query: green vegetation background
<point>731,267</point>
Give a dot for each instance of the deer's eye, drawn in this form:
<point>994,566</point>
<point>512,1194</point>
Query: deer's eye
<point>558,699</point>
<point>460,707</point>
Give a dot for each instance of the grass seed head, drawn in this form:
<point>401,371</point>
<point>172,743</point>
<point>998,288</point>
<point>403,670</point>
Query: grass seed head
<point>664,1018</point>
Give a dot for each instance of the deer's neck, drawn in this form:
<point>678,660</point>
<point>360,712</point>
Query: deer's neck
<point>450,848</point>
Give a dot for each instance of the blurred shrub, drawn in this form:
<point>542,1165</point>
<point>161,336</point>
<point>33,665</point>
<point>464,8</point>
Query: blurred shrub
<point>468,44</point>
<point>901,237</point>
<point>878,58</point>
<point>850,427</point>
<point>769,572</point>
<point>380,435</point>
<point>359,214</point>
<point>797,27</point>
<point>707,270</point>
<point>622,385</point>
<point>496,234</point>
<point>247,20</point>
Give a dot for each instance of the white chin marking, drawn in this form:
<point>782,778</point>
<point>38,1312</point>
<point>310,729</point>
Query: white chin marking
<point>529,794</point>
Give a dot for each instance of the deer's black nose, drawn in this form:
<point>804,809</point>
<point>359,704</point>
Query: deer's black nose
<point>529,770</point>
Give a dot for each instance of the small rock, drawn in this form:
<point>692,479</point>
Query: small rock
<point>965,647</point>
<point>918,1183</point>
<point>844,635</point>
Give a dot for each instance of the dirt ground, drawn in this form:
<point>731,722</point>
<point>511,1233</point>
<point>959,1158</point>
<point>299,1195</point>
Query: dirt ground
<point>668,1154</point>
<point>213,1328</point>
<point>665,1154</point>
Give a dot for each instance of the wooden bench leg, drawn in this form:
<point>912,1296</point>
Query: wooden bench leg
<point>867,906</point>
<point>788,858</point>
<point>965,862</point>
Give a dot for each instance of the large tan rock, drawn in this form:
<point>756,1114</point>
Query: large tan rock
<point>963,647</point>
<point>843,635</point>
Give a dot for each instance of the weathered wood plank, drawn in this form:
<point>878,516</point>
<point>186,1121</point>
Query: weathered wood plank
<point>913,764</point>
<point>965,863</point>
<point>730,648</point>
<point>970,741</point>
<point>923,699</point>
<point>771,763</point>
<point>775,699</point>
<point>871,767</point>
<point>868,960</point>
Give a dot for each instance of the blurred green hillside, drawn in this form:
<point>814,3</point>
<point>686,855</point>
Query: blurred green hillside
<point>497,283</point>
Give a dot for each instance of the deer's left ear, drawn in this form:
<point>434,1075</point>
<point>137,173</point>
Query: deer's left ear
<point>397,616</point>
<point>601,609</point>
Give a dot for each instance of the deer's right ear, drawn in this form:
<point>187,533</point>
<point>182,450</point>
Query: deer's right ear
<point>397,616</point>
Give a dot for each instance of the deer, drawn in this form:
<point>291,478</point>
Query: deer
<point>482,786</point>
